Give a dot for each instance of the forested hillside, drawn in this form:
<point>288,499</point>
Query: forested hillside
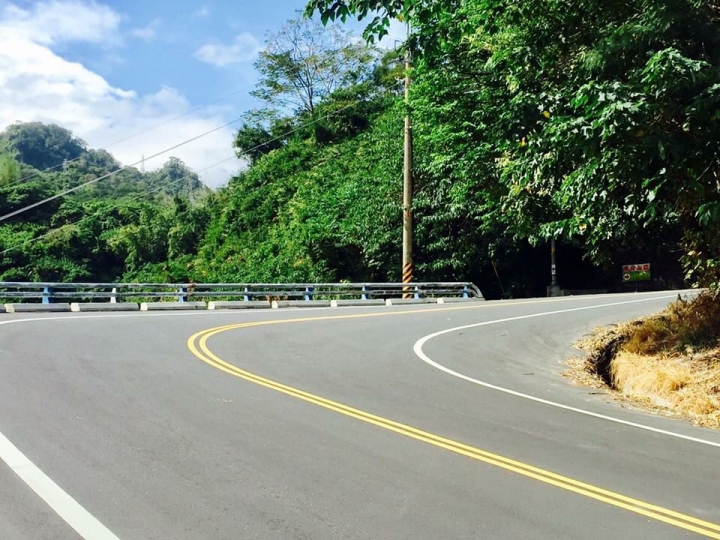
<point>104,231</point>
<point>594,123</point>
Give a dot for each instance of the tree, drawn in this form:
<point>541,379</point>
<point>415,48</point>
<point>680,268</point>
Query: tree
<point>43,146</point>
<point>175,178</point>
<point>98,159</point>
<point>9,169</point>
<point>607,119</point>
<point>304,62</point>
<point>383,10</point>
<point>429,19</point>
<point>253,140</point>
<point>591,121</point>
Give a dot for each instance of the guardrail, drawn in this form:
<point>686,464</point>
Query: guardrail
<point>48,293</point>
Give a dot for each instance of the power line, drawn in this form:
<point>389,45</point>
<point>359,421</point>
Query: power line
<point>103,210</point>
<point>136,134</point>
<point>256,147</point>
<point>108,175</point>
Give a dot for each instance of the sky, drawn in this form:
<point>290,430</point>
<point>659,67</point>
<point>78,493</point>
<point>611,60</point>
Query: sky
<point>137,77</point>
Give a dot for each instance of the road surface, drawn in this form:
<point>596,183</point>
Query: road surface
<point>352,423</point>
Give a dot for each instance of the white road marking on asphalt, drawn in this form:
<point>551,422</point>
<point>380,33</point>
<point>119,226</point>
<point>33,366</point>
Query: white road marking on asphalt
<point>418,350</point>
<point>71,511</point>
<point>381,309</point>
<point>84,523</point>
<point>89,528</point>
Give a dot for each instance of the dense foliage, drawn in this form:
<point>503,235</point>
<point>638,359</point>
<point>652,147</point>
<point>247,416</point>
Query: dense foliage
<point>100,233</point>
<point>594,123</point>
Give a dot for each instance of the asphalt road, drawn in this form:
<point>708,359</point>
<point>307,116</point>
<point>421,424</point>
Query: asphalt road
<point>324,424</point>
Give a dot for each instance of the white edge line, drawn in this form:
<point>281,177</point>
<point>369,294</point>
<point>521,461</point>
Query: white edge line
<point>67,508</point>
<point>90,528</point>
<point>84,523</point>
<point>381,309</point>
<point>418,350</point>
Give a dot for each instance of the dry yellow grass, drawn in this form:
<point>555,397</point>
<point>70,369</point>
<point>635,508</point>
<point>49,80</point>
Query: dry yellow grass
<point>669,362</point>
<point>687,384</point>
<point>581,373</point>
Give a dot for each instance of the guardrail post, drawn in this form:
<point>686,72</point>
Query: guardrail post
<point>113,296</point>
<point>364,295</point>
<point>47,295</point>
<point>182,295</point>
<point>309,293</point>
<point>465,292</point>
<point>246,297</point>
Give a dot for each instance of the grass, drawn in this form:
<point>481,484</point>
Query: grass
<point>670,361</point>
<point>687,385</point>
<point>685,326</point>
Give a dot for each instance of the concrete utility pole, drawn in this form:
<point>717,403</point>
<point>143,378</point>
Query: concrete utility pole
<point>407,261</point>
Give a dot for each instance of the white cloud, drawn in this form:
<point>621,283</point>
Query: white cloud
<point>57,21</point>
<point>148,32</point>
<point>36,84</point>
<point>243,48</point>
<point>202,11</point>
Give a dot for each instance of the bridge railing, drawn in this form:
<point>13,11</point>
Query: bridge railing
<point>46,292</point>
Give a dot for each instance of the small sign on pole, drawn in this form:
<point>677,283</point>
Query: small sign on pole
<point>636,272</point>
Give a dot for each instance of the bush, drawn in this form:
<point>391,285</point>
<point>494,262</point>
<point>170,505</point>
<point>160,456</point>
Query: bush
<point>686,324</point>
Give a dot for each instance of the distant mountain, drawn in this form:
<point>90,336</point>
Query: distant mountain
<point>106,230</point>
<point>51,154</point>
<point>43,146</point>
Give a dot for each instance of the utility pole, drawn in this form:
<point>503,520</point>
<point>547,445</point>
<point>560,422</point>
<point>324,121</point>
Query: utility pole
<point>407,261</point>
<point>142,164</point>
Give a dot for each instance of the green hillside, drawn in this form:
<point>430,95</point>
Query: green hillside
<point>593,123</point>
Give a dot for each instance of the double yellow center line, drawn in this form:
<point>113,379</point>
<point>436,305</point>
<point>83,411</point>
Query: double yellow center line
<point>198,346</point>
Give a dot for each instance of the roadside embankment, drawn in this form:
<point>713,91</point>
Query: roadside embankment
<point>668,362</point>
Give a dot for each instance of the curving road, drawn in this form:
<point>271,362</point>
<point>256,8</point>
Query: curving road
<point>406,422</point>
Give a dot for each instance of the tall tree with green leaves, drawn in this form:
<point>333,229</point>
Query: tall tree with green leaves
<point>592,121</point>
<point>303,63</point>
<point>9,169</point>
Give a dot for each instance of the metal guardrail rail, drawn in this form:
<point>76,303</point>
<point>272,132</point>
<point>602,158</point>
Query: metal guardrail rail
<point>47,292</point>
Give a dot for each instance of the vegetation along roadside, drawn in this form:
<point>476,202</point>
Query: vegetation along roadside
<point>668,362</point>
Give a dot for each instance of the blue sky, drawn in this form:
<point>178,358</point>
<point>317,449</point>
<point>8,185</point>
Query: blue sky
<point>164,37</point>
<point>122,69</point>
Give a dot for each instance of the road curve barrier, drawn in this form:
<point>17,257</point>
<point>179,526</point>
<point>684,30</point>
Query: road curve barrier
<point>102,306</point>
<point>17,297</point>
<point>37,308</point>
